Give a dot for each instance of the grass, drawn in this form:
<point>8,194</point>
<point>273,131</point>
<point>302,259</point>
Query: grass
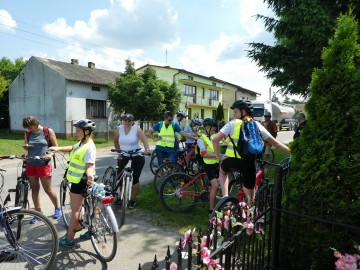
<point>10,144</point>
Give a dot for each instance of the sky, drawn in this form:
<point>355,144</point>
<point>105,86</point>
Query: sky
<point>207,37</point>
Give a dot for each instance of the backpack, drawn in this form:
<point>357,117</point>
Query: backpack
<point>250,144</point>
<point>46,134</point>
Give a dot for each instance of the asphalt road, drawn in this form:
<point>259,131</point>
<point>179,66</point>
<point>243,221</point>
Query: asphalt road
<point>138,240</point>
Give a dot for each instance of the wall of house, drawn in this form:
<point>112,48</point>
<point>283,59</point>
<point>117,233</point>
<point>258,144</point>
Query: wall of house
<point>37,91</point>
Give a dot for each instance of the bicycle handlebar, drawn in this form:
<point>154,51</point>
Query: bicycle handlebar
<point>139,152</point>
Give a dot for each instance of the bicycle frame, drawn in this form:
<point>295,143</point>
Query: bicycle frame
<point>199,176</point>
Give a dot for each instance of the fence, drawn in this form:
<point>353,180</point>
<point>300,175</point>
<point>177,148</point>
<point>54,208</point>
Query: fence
<point>297,234</point>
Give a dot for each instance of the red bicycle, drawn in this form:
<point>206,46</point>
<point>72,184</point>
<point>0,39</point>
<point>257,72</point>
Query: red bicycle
<point>187,163</point>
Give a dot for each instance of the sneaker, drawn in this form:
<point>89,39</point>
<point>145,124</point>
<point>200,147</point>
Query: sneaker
<point>132,204</point>
<point>85,235</point>
<point>57,213</point>
<point>64,242</point>
<point>34,220</point>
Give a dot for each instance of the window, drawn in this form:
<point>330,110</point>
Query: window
<point>213,84</point>
<point>189,90</point>
<point>95,88</point>
<point>202,113</point>
<point>191,78</point>
<point>189,113</point>
<point>203,92</point>
<point>214,95</point>
<point>214,114</point>
<point>95,108</point>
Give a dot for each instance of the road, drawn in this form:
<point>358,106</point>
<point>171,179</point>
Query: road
<point>138,241</point>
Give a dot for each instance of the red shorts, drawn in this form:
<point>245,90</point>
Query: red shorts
<point>39,171</point>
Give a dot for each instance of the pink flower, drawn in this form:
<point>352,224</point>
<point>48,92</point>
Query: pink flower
<point>249,227</point>
<point>216,222</point>
<point>173,266</point>
<point>188,236</point>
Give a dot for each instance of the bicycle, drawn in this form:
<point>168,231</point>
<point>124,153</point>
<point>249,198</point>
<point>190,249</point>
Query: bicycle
<point>187,163</point>
<point>179,192</point>
<point>24,245</point>
<point>121,184</point>
<point>97,213</point>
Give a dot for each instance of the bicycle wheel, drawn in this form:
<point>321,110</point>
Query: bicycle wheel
<point>37,244</point>
<point>109,177</point>
<point>153,162</point>
<point>124,199</point>
<point>176,194</point>
<point>235,185</point>
<point>229,206</point>
<point>165,170</point>
<point>103,236</point>
<point>65,202</point>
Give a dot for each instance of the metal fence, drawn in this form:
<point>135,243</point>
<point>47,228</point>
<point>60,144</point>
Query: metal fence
<point>298,234</point>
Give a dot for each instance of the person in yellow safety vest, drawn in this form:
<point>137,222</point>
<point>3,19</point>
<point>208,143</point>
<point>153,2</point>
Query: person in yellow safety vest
<point>165,141</point>
<point>242,109</point>
<point>211,163</point>
<point>81,163</point>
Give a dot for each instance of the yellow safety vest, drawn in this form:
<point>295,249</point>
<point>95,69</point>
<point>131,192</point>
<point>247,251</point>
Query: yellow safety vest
<point>230,151</point>
<point>167,136</point>
<point>209,149</point>
<point>76,167</point>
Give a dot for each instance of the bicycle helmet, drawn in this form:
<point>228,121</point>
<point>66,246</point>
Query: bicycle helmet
<point>85,124</point>
<point>195,120</point>
<point>209,122</point>
<point>180,113</point>
<point>128,116</point>
<point>267,114</point>
<point>243,104</point>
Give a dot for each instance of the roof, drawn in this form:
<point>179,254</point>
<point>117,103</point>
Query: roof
<point>210,77</point>
<point>78,73</point>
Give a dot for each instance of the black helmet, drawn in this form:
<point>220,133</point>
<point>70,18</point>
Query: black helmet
<point>181,113</point>
<point>209,122</point>
<point>267,114</point>
<point>128,116</point>
<point>243,104</point>
<point>85,124</point>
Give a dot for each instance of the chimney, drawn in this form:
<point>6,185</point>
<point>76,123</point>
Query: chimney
<point>91,65</point>
<point>74,61</point>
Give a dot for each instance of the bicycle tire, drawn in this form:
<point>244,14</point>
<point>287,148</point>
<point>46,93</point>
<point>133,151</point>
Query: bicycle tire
<point>109,177</point>
<point>154,162</point>
<point>65,202</point>
<point>165,170</point>
<point>124,200</point>
<point>227,204</point>
<point>103,236</point>
<point>38,243</point>
<point>170,197</point>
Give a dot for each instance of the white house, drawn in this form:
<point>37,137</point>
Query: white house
<point>58,93</point>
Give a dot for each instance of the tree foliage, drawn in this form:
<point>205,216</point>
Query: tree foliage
<point>326,157</point>
<point>301,29</point>
<point>8,72</point>
<point>220,112</point>
<point>143,95</point>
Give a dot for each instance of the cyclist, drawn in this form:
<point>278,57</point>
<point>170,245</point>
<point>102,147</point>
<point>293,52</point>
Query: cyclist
<point>191,129</point>
<point>180,115</point>
<point>273,130</point>
<point>165,141</point>
<point>81,163</point>
<point>127,138</point>
<point>242,111</point>
<point>37,144</point>
<point>211,163</point>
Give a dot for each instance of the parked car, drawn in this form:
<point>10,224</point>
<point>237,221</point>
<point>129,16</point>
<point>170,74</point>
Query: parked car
<point>287,124</point>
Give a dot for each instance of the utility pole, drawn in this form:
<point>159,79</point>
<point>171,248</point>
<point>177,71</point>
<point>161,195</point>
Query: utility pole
<point>270,93</point>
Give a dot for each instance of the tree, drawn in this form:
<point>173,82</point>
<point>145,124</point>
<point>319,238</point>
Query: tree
<point>143,95</point>
<point>220,112</point>
<point>326,157</point>
<point>274,98</point>
<point>302,29</point>
<point>8,72</point>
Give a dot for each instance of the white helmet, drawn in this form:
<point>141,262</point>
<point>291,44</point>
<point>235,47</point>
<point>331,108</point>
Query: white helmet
<point>180,113</point>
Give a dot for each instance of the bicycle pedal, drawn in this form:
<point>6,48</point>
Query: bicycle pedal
<point>12,190</point>
<point>79,228</point>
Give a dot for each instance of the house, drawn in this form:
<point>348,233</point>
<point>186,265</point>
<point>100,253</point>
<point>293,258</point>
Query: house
<point>201,95</point>
<point>59,93</point>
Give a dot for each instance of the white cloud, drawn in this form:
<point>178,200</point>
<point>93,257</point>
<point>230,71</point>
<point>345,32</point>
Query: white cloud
<point>7,23</point>
<point>127,24</point>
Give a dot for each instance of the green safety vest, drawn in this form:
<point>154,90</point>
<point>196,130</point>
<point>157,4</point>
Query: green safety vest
<point>209,149</point>
<point>167,136</point>
<point>230,151</point>
<point>76,167</point>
